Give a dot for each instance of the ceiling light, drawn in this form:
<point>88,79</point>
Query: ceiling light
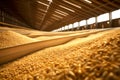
<point>42,10</point>
<point>61,12</point>
<point>57,16</point>
<point>108,22</point>
<point>54,18</point>
<point>50,0</point>
<point>42,3</point>
<point>88,1</point>
<point>71,3</point>
<point>67,8</point>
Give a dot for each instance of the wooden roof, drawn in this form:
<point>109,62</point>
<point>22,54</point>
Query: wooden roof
<point>47,15</point>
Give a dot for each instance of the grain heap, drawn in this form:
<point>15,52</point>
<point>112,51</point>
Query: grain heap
<point>96,59</point>
<point>48,37</point>
<point>63,34</point>
<point>23,31</point>
<point>10,38</point>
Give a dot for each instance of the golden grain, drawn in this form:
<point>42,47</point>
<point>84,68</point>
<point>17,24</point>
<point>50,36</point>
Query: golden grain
<point>75,60</point>
<point>10,39</point>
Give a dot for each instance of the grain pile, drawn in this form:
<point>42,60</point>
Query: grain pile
<point>96,57</point>
<point>20,30</point>
<point>63,34</point>
<point>48,37</point>
<point>10,38</point>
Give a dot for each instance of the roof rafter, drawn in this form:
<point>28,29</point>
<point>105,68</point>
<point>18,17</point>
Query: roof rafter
<point>84,6</point>
<point>97,2</point>
<point>97,7</point>
<point>111,3</point>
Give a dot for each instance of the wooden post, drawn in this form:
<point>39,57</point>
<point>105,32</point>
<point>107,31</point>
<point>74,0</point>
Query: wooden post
<point>2,15</point>
<point>72,27</point>
<point>86,24</point>
<point>110,19</point>
<point>96,22</point>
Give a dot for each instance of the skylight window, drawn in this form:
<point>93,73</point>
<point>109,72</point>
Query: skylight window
<point>76,24</point>
<point>71,3</point>
<point>103,17</point>
<point>116,14</point>
<point>66,8</point>
<point>88,1</point>
<point>42,3</point>
<point>83,22</point>
<point>91,20</point>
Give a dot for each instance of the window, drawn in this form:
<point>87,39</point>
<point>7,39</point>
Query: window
<point>66,27</point>
<point>76,24</point>
<point>58,29</point>
<point>70,26</point>
<point>116,14</point>
<point>83,22</point>
<point>91,20</point>
<point>103,17</point>
<point>62,28</point>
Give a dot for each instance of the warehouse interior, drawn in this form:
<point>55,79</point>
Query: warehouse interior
<point>59,39</point>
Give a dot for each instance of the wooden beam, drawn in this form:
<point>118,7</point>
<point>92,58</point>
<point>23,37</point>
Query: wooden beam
<point>51,11</point>
<point>82,9</point>
<point>112,3</point>
<point>65,20</point>
<point>69,17</point>
<point>96,6</point>
<point>60,3</point>
<point>84,6</point>
<point>73,8</point>
<point>117,1</point>
<point>70,20</point>
<point>102,5</point>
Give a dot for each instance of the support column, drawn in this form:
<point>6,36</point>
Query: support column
<point>2,15</point>
<point>72,27</point>
<point>79,24</point>
<point>86,24</point>
<point>110,19</point>
<point>68,28</point>
<point>96,22</point>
